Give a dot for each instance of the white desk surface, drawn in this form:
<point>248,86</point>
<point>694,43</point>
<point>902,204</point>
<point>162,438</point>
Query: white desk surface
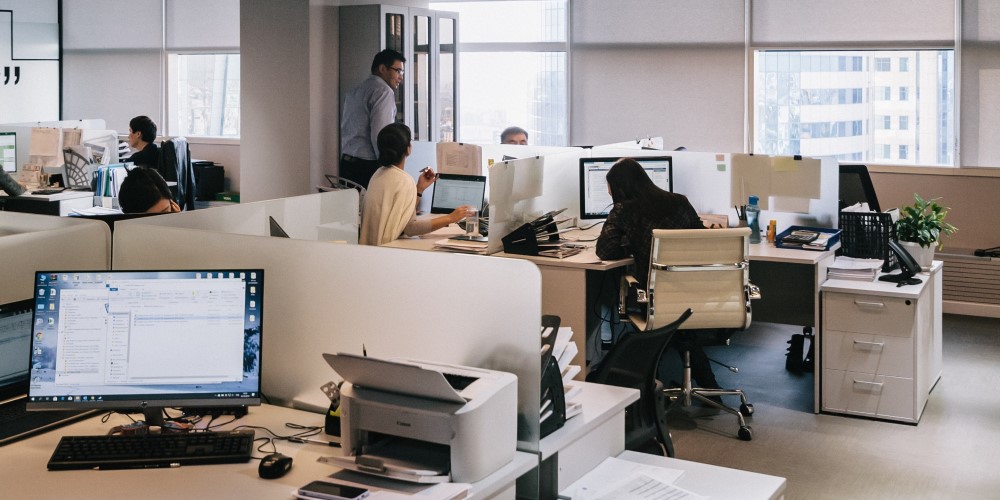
<point>583,260</point>
<point>711,481</point>
<point>765,251</point>
<point>881,288</point>
<point>600,403</point>
<point>23,473</point>
<point>65,195</point>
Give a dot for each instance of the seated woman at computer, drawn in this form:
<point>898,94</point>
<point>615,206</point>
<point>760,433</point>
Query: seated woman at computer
<point>639,207</point>
<point>141,137</point>
<point>390,207</point>
<point>145,191</point>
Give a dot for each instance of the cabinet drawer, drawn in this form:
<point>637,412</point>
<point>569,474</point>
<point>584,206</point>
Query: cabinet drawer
<point>868,395</point>
<point>867,353</point>
<point>868,314</point>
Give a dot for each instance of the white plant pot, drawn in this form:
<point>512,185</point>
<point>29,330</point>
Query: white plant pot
<point>923,256</point>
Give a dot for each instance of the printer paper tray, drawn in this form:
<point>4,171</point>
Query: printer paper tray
<point>390,470</point>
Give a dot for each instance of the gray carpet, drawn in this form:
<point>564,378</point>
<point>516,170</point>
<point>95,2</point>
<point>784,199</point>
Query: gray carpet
<point>954,452</point>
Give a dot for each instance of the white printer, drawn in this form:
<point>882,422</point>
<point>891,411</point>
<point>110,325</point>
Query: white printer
<point>424,422</point>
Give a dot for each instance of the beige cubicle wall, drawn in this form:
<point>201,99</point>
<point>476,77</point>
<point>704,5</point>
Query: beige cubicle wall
<point>30,242</point>
<point>327,297</point>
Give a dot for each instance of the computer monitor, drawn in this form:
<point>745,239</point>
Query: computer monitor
<point>595,200</point>
<point>147,340</point>
<point>8,151</point>
<point>15,340</point>
<point>453,190</point>
<point>856,187</point>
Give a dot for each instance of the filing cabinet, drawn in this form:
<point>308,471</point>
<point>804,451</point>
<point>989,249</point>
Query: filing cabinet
<point>878,347</point>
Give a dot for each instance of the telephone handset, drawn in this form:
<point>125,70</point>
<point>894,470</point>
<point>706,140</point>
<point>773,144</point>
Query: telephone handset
<point>908,267</point>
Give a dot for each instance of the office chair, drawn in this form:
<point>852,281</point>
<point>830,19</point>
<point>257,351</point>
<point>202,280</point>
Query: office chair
<point>337,183</point>
<point>633,363</point>
<point>705,271</point>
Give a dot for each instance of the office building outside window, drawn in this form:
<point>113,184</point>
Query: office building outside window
<point>203,98</point>
<point>801,98</point>
<point>903,151</point>
<point>514,69</point>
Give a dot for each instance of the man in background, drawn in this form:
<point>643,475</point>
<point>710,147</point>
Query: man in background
<point>368,108</point>
<point>514,135</point>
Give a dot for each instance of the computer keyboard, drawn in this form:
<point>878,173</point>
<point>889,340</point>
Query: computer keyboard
<point>138,451</point>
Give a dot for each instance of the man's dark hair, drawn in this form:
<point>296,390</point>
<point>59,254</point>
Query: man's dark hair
<point>393,141</point>
<point>509,131</point>
<point>388,57</point>
<point>142,188</point>
<point>145,126</point>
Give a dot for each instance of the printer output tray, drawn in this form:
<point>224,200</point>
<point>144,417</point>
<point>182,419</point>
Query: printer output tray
<point>400,458</point>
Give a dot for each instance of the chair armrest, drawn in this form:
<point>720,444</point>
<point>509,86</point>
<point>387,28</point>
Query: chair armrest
<point>628,283</point>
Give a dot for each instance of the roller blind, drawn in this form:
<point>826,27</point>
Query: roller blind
<point>657,23</point>
<point>200,24</point>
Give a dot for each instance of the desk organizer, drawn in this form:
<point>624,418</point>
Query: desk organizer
<point>866,235</point>
<point>834,238</point>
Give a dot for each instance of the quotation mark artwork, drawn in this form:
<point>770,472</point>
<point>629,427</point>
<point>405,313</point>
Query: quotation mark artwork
<point>6,75</point>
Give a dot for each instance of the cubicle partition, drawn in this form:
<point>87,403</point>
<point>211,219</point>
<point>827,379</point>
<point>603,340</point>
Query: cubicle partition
<point>30,242</point>
<point>325,297</point>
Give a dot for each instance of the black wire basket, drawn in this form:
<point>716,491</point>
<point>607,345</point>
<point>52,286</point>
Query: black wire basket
<point>866,235</point>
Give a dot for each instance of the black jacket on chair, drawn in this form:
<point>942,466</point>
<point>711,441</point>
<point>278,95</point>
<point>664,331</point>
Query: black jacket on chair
<point>175,165</point>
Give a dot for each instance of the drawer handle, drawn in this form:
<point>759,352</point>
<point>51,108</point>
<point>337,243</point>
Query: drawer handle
<point>873,384</point>
<point>873,344</point>
<point>872,305</point>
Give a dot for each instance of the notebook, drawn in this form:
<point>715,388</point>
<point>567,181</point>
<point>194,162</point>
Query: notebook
<point>454,190</point>
<point>16,344</point>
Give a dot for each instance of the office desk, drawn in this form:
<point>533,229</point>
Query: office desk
<point>569,286</point>
<point>23,473</point>
<point>54,204</point>
<point>789,281</point>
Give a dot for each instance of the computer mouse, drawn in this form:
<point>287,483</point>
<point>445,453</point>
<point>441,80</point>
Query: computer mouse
<point>274,466</point>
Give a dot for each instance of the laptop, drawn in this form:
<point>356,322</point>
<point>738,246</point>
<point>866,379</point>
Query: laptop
<point>16,343</point>
<point>454,190</point>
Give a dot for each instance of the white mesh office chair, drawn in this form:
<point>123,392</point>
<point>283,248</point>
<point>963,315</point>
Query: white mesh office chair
<point>706,271</point>
<point>337,183</point>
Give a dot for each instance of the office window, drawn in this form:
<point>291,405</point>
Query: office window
<point>904,123</point>
<point>514,69</point>
<point>884,151</point>
<point>904,64</point>
<point>903,151</point>
<point>203,98</point>
<point>789,102</point>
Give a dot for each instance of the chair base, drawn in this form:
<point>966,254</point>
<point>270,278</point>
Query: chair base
<point>688,393</point>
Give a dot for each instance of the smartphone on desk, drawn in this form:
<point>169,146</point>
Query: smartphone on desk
<point>326,490</point>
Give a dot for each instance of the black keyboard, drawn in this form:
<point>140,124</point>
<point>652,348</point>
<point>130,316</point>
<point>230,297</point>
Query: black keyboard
<point>138,451</point>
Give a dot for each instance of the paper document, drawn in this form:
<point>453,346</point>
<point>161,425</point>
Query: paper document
<point>643,487</point>
<point>616,471</point>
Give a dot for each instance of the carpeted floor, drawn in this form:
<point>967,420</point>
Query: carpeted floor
<point>954,452</point>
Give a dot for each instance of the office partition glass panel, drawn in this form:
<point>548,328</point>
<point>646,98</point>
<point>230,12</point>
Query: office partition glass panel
<point>204,95</point>
<point>840,103</point>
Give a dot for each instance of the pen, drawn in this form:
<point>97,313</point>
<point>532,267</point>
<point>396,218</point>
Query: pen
<point>295,439</point>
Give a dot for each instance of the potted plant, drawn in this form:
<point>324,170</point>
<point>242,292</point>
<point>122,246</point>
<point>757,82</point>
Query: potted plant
<point>920,227</point>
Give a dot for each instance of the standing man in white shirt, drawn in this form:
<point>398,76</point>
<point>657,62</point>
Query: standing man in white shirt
<point>367,109</point>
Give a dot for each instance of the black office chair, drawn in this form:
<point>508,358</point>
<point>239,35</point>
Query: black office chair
<point>633,362</point>
<point>856,187</point>
<point>175,165</point>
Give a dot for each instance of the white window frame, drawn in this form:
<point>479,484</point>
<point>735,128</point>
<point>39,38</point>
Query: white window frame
<point>170,125</point>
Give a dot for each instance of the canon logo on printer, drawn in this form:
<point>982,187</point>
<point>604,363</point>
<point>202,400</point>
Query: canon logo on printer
<point>403,424</point>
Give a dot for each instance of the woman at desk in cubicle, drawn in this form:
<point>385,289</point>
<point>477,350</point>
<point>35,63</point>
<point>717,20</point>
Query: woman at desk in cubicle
<point>639,207</point>
<point>390,206</point>
<point>141,137</point>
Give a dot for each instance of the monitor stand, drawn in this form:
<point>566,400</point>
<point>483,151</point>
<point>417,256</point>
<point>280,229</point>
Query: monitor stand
<point>468,237</point>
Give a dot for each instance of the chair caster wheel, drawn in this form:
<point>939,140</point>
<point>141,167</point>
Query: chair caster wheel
<point>745,433</point>
<point>746,409</point>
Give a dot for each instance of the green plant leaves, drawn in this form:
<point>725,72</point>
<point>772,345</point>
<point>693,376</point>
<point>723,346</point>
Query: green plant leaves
<point>923,222</point>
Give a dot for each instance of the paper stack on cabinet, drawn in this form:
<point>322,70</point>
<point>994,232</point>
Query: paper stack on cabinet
<point>564,351</point>
<point>851,268</point>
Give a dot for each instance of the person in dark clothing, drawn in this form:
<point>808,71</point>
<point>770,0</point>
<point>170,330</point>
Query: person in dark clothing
<point>145,191</point>
<point>141,137</point>
<point>639,207</point>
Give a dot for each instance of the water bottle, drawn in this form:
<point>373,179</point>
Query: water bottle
<point>753,220</point>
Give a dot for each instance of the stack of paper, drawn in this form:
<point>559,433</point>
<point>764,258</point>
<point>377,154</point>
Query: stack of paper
<point>850,268</point>
<point>565,350</point>
<point>463,246</point>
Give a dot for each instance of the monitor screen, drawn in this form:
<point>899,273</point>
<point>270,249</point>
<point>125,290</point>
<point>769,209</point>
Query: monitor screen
<point>595,200</point>
<point>146,339</point>
<point>15,342</point>
<point>453,190</point>
<point>8,151</point>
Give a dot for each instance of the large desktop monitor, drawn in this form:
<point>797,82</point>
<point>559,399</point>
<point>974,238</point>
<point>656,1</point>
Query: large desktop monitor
<point>8,151</point>
<point>595,200</point>
<point>856,187</point>
<point>146,340</point>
